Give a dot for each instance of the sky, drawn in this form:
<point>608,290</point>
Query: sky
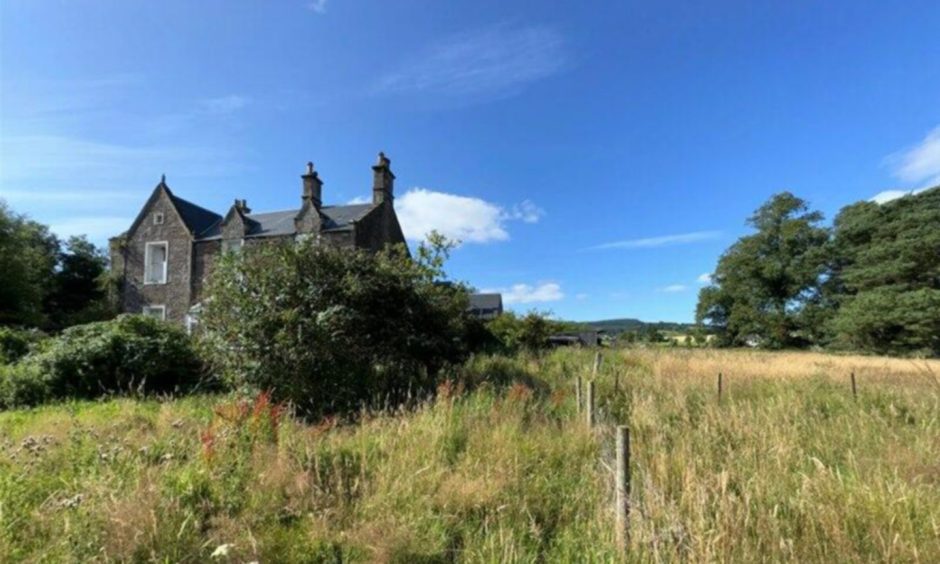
<point>593,158</point>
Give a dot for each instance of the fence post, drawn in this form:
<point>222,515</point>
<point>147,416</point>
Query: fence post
<point>854,389</point>
<point>589,407</point>
<point>597,363</point>
<point>719,387</point>
<point>577,392</point>
<point>622,488</point>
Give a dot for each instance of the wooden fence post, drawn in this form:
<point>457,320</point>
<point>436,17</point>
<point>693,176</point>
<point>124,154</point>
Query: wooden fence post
<point>577,392</point>
<point>589,404</point>
<point>854,389</point>
<point>597,364</point>
<point>719,387</point>
<point>622,488</point>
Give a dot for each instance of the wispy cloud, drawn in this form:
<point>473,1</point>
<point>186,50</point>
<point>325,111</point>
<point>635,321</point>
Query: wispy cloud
<point>528,294</point>
<point>97,228</point>
<point>704,278</point>
<point>491,62</point>
<point>224,104</point>
<point>674,288</point>
<point>920,164</point>
<point>661,241</point>
<point>318,6</point>
<point>467,219</point>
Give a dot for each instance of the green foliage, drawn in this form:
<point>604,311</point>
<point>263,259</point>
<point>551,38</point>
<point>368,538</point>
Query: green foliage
<point>886,277</point>
<point>529,332</point>
<point>17,343</point>
<point>78,291</point>
<point>42,283</point>
<point>766,282</point>
<point>28,256</point>
<point>329,328</point>
<point>129,354</point>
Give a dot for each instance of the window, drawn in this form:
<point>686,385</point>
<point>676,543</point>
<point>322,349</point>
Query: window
<point>155,262</point>
<point>232,245</point>
<point>155,311</point>
<point>158,218</point>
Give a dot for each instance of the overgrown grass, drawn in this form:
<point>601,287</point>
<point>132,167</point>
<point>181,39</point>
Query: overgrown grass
<point>787,467</point>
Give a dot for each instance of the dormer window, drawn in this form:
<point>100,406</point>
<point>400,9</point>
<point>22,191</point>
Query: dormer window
<point>155,262</point>
<point>158,218</point>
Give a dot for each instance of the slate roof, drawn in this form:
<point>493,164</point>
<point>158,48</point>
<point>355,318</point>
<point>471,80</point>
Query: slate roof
<point>486,301</point>
<point>281,223</point>
<point>196,218</point>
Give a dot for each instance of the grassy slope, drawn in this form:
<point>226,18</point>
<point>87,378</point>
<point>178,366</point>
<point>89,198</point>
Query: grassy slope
<point>788,467</point>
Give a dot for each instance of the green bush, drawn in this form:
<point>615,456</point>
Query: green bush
<point>17,343</point>
<point>329,329</point>
<point>129,354</point>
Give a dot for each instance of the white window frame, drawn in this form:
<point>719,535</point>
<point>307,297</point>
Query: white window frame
<point>148,309</point>
<point>166,261</point>
<point>158,218</point>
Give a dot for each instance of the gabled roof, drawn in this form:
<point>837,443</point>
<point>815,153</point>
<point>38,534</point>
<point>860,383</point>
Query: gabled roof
<point>486,301</point>
<point>281,223</point>
<point>198,219</point>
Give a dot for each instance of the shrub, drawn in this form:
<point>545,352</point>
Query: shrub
<point>21,385</point>
<point>327,328</point>
<point>17,343</point>
<point>529,332</point>
<point>131,353</point>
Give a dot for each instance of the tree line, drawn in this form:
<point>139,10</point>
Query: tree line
<point>46,282</point>
<point>870,281</point>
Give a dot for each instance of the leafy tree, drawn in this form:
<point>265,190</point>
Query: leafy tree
<point>528,332</point>
<point>28,254</point>
<point>78,292</point>
<point>328,328</point>
<point>886,275</point>
<point>768,284</point>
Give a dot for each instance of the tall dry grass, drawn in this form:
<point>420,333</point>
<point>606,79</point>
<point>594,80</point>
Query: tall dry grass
<point>788,467</point>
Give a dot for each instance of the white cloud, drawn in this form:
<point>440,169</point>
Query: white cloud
<point>359,200</point>
<point>704,278</point>
<point>494,61</point>
<point>224,104</point>
<point>527,211</point>
<point>467,219</point>
<point>661,241</point>
<point>318,6</point>
<point>581,297</point>
<point>921,163</point>
<point>674,288</point>
<point>526,294</point>
<point>889,195</point>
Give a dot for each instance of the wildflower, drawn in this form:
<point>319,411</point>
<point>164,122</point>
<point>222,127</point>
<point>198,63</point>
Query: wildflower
<point>221,551</point>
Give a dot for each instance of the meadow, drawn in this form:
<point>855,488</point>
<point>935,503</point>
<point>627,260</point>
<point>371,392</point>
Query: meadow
<point>499,466</point>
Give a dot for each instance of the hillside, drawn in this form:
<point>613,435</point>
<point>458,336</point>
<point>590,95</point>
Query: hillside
<point>615,326</point>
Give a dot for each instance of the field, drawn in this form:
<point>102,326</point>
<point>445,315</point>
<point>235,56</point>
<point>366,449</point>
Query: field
<point>788,466</point>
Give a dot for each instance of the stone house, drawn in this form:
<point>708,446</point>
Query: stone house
<point>163,261</point>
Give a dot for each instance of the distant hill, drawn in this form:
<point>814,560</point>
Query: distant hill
<point>629,324</point>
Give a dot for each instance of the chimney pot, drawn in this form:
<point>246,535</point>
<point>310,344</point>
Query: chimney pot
<point>313,186</point>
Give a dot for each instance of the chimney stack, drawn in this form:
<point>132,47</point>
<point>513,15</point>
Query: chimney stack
<point>383,181</point>
<point>313,187</point>
<point>242,206</point>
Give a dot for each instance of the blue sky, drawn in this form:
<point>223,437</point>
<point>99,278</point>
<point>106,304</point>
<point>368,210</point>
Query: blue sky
<point>595,157</point>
